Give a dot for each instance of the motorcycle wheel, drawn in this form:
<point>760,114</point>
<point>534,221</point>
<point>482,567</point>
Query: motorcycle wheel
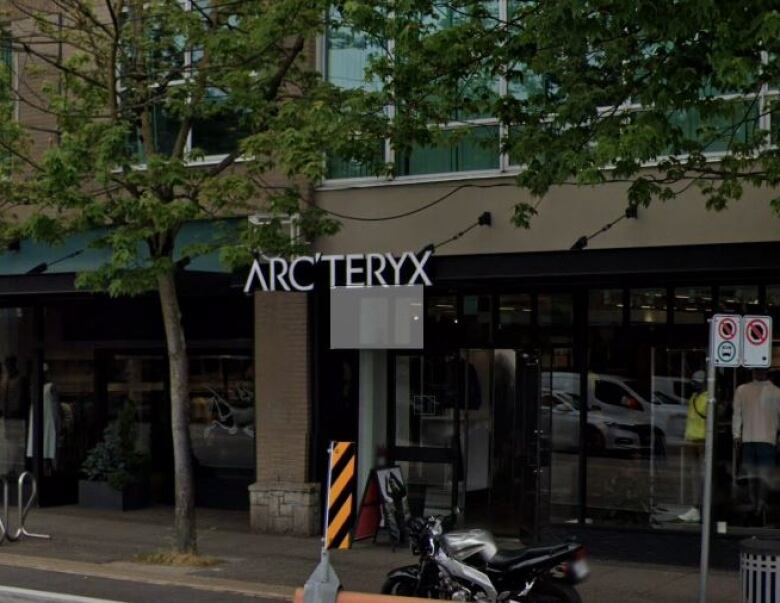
<point>399,586</point>
<point>554,592</point>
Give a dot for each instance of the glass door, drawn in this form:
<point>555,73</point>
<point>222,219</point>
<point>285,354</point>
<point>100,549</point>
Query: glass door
<point>501,441</point>
<point>427,390</point>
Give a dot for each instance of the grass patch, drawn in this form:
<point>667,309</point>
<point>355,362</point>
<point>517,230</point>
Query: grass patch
<point>174,558</point>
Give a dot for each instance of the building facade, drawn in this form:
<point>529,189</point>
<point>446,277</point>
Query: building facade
<point>553,387</point>
<point>559,361</point>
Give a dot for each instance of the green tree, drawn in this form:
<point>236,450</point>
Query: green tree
<point>127,85</point>
<point>646,93</point>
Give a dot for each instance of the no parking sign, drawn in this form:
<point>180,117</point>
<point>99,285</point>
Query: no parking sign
<point>756,341</point>
<point>725,340</point>
<point>741,341</point>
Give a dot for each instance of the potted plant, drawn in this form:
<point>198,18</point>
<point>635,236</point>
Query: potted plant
<point>115,472</point>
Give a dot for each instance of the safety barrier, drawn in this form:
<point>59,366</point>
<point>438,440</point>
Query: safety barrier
<point>350,597</point>
<point>23,509</point>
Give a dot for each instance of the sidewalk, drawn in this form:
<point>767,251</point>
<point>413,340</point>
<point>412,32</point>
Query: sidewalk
<point>103,544</point>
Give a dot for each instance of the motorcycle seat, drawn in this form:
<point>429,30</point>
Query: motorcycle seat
<point>505,558</point>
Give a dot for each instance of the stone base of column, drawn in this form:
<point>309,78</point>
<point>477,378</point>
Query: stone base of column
<point>285,508</point>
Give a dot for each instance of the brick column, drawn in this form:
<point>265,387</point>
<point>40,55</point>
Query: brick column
<point>283,501</point>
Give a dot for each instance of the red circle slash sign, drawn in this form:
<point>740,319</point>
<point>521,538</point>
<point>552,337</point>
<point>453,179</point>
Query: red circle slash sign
<point>727,328</point>
<point>756,331</point>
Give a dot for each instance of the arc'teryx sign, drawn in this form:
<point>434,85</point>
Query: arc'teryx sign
<point>351,270</point>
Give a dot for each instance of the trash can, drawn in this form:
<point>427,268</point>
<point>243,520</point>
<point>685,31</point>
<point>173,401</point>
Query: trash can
<point>759,571</point>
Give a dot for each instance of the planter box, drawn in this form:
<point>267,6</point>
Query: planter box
<point>100,495</point>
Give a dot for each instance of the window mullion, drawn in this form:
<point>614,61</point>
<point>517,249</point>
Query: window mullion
<point>503,91</point>
<point>391,108</point>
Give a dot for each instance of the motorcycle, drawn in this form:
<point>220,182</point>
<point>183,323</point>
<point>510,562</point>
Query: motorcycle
<point>467,565</point>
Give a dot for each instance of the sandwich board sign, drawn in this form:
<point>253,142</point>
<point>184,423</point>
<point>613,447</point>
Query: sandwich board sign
<point>726,340</point>
<point>757,341</point>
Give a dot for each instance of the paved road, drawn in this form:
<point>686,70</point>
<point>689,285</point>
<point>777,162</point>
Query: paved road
<point>115,590</point>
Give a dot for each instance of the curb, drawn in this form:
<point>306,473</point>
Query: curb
<point>9,594</point>
<point>128,572</point>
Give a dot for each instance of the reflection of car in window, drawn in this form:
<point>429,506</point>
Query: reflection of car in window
<point>625,402</point>
<point>602,435</point>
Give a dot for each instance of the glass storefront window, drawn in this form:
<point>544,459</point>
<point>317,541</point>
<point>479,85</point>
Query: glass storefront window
<point>556,309</point>
<point>477,317</point>
<point>427,396</point>
<point>773,309</point>
<point>560,408</point>
<point>648,305</point>
<point>70,385</point>
<point>222,411</point>
<point>514,310</point>
<point>514,318</point>
<point>16,337</point>
<point>605,307</point>
<point>747,473</point>
<point>429,487</point>
<point>692,305</point>
<point>741,299</point>
<point>441,318</point>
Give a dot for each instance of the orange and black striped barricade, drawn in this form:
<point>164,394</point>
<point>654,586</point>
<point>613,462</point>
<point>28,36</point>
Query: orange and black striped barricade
<point>340,501</point>
<point>323,585</point>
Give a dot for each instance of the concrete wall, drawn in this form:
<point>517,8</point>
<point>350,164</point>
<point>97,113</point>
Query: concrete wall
<point>565,214</point>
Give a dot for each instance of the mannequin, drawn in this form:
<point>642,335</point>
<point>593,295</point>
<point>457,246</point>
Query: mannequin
<point>51,423</point>
<point>754,427</point>
<point>695,434</point>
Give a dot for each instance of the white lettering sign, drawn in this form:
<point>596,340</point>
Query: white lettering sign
<point>353,270</point>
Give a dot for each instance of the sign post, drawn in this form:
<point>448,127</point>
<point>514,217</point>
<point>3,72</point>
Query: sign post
<point>706,516</point>
<point>734,341</point>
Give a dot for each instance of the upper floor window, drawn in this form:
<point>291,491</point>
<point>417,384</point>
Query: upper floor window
<point>733,123</point>
<point>7,105</point>
<point>171,59</point>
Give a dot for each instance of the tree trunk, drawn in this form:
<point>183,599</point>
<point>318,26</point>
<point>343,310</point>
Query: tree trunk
<point>184,523</point>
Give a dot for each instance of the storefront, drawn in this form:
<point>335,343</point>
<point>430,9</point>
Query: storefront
<point>72,360</point>
<point>553,390</point>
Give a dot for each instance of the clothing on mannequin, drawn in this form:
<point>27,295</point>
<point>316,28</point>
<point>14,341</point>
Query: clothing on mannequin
<point>695,434</point>
<point>754,427</point>
<point>51,425</point>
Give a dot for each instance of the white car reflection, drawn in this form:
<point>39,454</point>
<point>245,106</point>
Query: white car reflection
<point>615,399</point>
<point>602,435</point>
